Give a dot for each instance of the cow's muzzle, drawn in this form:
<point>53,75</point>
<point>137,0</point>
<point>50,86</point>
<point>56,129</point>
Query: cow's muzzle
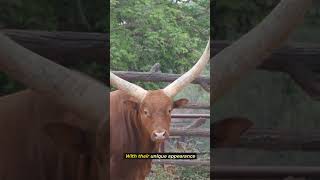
<point>159,135</point>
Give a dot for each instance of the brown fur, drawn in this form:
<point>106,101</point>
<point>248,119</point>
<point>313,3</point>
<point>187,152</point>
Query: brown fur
<point>38,142</point>
<point>131,130</point>
<point>26,152</point>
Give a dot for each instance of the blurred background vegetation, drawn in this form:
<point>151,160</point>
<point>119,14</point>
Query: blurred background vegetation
<point>269,99</point>
<point>52,15</point>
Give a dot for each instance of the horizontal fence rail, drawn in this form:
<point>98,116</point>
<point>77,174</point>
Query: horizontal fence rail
<point>280,139</point>
<point>193,128</point>
<point>196,106</point>
<point>200,132</point>
<point>203,81</point>
<point>183,162</point>
<point>246,172</point>
<point>156,77</point>
<point>190,116</point>
<point>187,121</point>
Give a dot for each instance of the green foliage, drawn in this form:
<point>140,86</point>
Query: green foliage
<point>144,32</point>
<point>7,85</point>
<point>234,18</point>
<point>26,14</point>
<point>77,15</point>
<point>64,15</point>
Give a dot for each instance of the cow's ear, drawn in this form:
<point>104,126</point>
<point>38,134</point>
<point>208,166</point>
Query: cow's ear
<point>180,103</point>
<point>68,138</point>
<point>227,132</point>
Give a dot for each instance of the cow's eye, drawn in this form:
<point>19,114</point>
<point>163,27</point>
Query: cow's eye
<point>145,112</point>
<point>169,110</point>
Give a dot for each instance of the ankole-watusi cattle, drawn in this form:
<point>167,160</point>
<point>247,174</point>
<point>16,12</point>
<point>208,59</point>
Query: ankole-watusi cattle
<point>58,129</point>
<point>140,120</point>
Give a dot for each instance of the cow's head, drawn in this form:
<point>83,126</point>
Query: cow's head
<point>154,113</point>
<point>154,107</point>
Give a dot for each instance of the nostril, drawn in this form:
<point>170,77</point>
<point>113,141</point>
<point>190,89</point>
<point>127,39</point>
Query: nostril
<point>160,134</point>
<point>165,133</point>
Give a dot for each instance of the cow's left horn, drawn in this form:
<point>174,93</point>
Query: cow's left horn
<point>84,96</point>
<point>175,87</point>
<point>130,88</point>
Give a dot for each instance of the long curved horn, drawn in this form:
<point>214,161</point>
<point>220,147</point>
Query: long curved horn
<point>176,86</point>
<point>244,55</point>
<point>84,96</point>
<point>132,89</point>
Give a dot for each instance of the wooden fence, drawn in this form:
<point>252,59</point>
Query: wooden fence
<point>190,130</point>
<point>307,140</point>
<point>270,172</point>
<point>155,75</point>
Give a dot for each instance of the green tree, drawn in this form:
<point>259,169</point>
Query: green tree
<point>144,32</point>
<point>64,15</point>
